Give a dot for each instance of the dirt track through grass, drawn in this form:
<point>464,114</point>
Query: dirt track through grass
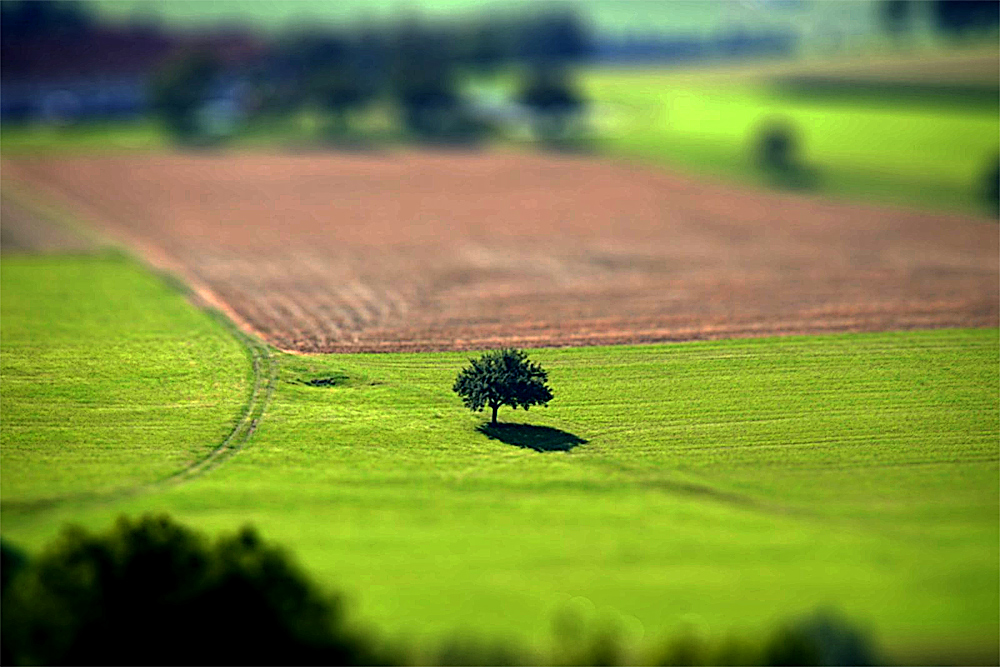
<point>265,375</point>
<point>114,458</point>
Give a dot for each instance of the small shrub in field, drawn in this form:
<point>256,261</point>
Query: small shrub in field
<point>777,151</point>
<point>777,147</point>
<point>991,187</point>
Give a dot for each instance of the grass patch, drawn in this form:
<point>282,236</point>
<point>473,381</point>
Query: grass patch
<point>110,378</point>
<point>87,137</point>
<point>717,485</point>
<point>928,147</point>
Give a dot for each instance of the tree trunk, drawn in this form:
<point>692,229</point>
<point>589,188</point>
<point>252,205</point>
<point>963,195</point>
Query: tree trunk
<point>494,413</point>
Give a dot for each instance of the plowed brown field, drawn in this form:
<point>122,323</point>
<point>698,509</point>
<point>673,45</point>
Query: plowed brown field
<point>25,231</point>
<point>427,251</point>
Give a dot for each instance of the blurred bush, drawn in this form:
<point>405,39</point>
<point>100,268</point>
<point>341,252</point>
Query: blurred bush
<point>417,69</point>
<point>12,561</point>
<point>966,18</point>
<point>991,187</point>
<point>822,638</point>
<point>776,150</point>
<point>151,591</point>
<point>554,102</point>
<point>181,89</point>
<point>777,147</point>
<point>466,650</point>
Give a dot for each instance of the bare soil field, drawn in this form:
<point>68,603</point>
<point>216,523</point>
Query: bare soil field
<point>439,250</point>
<point>23,231</point>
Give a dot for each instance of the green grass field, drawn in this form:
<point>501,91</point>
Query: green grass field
<point>110,379</point>
<point>90,137</point>
<point>722,485</point>
<point>924,150</point>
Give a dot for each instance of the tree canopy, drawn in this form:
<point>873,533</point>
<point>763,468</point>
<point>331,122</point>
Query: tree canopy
<point>154,590</point>
<point>502,377</point>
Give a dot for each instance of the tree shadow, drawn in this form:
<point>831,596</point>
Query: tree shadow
<point>538,438</point>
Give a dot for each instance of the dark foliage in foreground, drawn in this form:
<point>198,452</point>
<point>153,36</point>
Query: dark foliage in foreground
<point>154,592</point>
<point>12,561</point>
<point>821,638</point>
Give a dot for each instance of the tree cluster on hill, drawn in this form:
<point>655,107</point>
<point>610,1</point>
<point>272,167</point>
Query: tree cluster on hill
<point>42,18</point>
<point>896,17</point>
<point>961,18</point>
<point>952,18</point>
<point>416,66</point>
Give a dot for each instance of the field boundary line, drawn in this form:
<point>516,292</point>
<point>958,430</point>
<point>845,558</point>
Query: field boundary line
<point>72,211</point>
<point>21,197</point>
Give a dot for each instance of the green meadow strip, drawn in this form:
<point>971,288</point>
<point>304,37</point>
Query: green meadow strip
<point>720,486</point>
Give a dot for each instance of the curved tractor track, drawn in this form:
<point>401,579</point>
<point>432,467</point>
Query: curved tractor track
<point>265,372</point>
<point>265,368</point>
<point>30,229</point>
<point>441,251</point>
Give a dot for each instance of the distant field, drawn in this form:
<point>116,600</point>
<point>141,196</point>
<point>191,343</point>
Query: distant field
<point>895,132</point>
<point>86,138</point>
<point>723,484</point>
<point>110,379</point>
<point>916,129</point>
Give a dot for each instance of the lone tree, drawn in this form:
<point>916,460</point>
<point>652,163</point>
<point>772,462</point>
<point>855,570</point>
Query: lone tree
<point>502,377</point>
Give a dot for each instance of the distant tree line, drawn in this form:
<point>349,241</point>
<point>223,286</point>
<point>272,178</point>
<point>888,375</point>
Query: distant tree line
<point>417,66</point>
<point>951,18</point>
<point>729,44</point>
<point>43,18</point>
